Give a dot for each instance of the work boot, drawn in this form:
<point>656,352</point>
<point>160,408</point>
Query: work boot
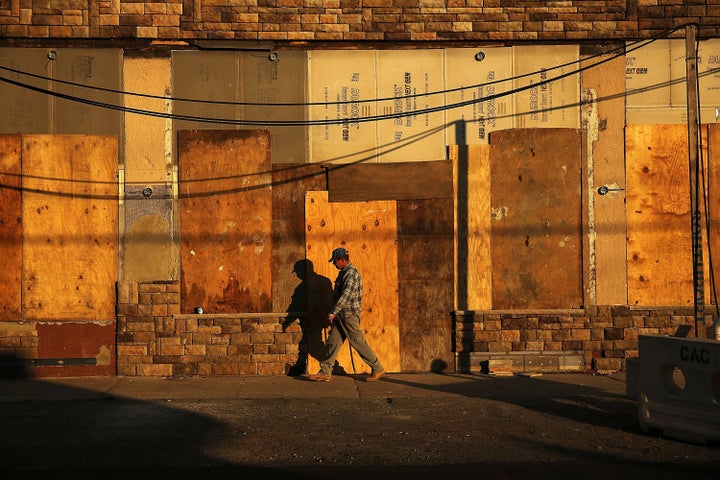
<point>319,377</point>
<point>376,376</point>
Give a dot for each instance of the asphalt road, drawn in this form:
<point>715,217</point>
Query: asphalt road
<point>428,426</point>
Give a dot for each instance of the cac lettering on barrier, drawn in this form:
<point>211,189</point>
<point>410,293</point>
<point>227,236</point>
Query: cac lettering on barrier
<point>695,355</point>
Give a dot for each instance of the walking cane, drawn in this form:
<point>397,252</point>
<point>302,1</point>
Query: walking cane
<point>352,359</point>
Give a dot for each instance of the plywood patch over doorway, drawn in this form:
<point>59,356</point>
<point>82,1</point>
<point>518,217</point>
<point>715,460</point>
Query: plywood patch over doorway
<point>368,230</point>
<point>225,221</point>
<point>536,218</point>
<point>70,227</point>
<point>660,264</point>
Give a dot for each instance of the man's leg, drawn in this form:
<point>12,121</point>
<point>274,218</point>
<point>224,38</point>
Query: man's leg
<point>358,342</point>
<point>332,347</point>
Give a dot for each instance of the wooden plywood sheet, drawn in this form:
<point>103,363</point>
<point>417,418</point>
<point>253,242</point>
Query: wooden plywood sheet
<point>659,252</point>
<point>101,68</point>
<point>473,228</point>
<point>487,70</point>
<point>647,80</point>
<point>368,230</point>
<point>338,85</point>
<point>536,219</point>
<point>225,221</point>
<point>10,228</point>
<point>70,232</point>
<point>604,121</point>
<point>205,76</point>
<point>394,181</point>
<point>404,77</point>
<point>425,284</point>
<point>146,159</point>
<point>546,103</point>
<point>24,110</point>
<point>708,61</point>
<point>264,82</point>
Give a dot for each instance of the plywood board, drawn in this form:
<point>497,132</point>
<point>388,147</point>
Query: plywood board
<point>267,83</point>
<point>392,181</point>
<point>544,102</point>
<point>225,221</point>
<point>406,79</point>
<point>425,284</point>
<point>25,110</point>
<point>10,228</point>
<point>473,229</point>
<point>70,232</point>
<point>477,78</point>
<point>210,80</point>
<point>339,86</point>
<point>536,218</point>
<point>604,121</point>
<point>88,67</point>
<point>368,230</point>
<point>658,216</point>
<point>148,158</point>
<point>290,271</point>
<point>647,79</point>
<point>708,62</point>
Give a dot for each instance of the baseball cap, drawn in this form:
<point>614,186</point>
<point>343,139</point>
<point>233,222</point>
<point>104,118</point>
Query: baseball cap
<point>338,253</point>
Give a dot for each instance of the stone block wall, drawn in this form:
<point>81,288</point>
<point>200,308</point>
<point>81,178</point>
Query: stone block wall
<point>600,338</point>
<point>353,20</point>
<point>154,339</point>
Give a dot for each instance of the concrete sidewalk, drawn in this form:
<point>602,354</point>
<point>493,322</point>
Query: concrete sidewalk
<point>278,386</point>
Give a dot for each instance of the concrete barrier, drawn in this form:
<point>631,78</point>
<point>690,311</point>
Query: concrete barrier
<point>678,387</point>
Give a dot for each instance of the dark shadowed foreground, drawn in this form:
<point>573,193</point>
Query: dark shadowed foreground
<point>420,426</point>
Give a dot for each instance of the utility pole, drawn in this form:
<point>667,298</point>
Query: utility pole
<point>693,119</point>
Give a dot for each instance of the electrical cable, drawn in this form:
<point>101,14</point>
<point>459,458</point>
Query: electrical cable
<point>373,118</point>
<point>618,51</point>
<point>290,123</point>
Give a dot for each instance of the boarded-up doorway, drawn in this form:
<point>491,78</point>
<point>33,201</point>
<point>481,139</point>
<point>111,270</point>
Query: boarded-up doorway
<point>536,243</point>
<point>225,221</point>
<point>368,230</point>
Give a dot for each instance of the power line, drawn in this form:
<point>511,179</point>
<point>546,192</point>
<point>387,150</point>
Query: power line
<point>618,50</point>
<point>289,123</point>
<point>338,121</point>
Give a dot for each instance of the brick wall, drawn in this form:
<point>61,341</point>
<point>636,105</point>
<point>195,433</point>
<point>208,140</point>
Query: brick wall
<point>354,20</point>
<point>599,338</point>
<point>154,339</point>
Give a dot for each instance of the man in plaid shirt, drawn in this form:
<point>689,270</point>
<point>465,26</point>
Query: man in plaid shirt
<point>345,320</point>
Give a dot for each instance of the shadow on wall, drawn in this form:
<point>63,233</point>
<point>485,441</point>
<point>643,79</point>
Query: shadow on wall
<point>313,295</point>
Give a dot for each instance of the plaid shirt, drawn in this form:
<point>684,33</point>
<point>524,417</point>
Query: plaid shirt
<point>347,297</point>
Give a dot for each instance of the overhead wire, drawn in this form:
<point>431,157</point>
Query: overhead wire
<point>359,119</point>
<point>618,50</point>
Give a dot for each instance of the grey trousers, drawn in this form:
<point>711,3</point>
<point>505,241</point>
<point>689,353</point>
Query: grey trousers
<point>349,329</point>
